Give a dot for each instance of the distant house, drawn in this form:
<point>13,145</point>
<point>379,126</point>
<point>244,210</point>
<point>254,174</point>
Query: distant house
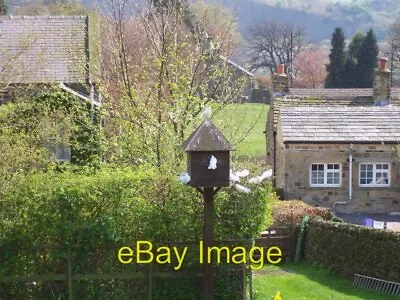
<point>55,50</point>
<point>338,148</point>
<point>48,50</point>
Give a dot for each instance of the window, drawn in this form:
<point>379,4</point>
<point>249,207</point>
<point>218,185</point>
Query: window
<point>325,175</point>
<point>374,175</point>
<point>63,152</point>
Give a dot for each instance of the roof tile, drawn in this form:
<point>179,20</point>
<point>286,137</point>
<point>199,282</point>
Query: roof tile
<point>340,124</point>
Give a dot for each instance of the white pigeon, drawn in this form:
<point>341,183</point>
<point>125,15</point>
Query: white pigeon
<point>184,178</point>
<point>241,188</point>
<point>206,114</point>
<point>242,173</point>
<point>213,163</point>
<point>258,179</point>
<point>233,177</point>
<point>267,174</point>
<point>255,180</point>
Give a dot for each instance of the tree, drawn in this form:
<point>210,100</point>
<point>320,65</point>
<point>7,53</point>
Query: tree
<point>336,60</point>
<point>355,45</point>
<point>219,23</point>
<point>349,73</point>
<point>394,51</point>
<point>349,69</point>
<point>367,59</point>
<point>273,43</point>
<point>394,31</point>
<point>159,74</point>
<point>3,7</point>
<point>310,68</point>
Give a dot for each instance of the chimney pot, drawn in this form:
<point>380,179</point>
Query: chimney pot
<point>382,63</point>
<point>281,69</point>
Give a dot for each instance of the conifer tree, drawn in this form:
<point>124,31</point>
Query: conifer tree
<point>367,59</point>
<point>355,45</point>
<point>350,66</point>
<point>336,60</point>
<point>349,73</point>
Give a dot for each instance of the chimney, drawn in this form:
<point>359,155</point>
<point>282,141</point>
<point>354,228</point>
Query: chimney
<point>280,81</point>
<point>382,83</point>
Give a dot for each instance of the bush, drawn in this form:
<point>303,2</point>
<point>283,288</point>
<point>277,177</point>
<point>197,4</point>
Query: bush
<point>348,249</point>
<point>289,213</point>
<point>43,213</point>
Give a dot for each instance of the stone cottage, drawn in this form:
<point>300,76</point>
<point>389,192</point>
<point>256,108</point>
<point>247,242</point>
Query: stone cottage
<point>50,50</point>
<point>338,148</point>
<point>340,155</point>
<point>60,50</point>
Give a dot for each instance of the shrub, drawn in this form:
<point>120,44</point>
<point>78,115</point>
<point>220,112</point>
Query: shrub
<point>289,213</point>
<point>43,213</point>
<point>348,249</point>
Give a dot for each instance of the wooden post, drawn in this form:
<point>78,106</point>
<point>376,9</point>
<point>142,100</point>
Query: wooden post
<point>150,285</point>
<point>69,273</point>
<point>208,236</point>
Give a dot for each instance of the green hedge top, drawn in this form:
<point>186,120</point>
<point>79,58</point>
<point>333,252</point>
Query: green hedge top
<point>114,205</point>
<point>348,249</point>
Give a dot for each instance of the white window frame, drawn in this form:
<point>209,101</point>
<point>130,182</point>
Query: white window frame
<point>374,171</point>
<point>326,171</point>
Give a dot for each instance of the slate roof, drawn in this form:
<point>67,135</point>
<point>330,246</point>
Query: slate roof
<point>43,49</point>
<point>328,97</point>
<point>340,124</point>
<point>295,101</point>
<point>207,137</point>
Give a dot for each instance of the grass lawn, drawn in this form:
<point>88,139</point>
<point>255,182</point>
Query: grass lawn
<point>243,125</point>
<point>298,282</point>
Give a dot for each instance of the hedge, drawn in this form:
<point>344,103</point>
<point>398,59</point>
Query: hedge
<point>96,211</point>
<point>290,212</point>
<point>348,249</point>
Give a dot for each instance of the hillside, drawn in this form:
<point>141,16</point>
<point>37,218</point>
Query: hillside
<point>319,17</point>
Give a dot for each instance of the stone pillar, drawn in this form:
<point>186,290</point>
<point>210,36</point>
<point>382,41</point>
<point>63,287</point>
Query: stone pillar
<point>382,83</point>
<point>280,81</point>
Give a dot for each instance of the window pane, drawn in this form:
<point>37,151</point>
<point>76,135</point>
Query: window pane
<point>386,166</point>
<point>321,167</point>
<point>336,178</point>
<point>314,167</point>
<point>330,166</point>
<point>370,167</point>
<point>379,166</point>
<point>329,178</point>
<point>363,181</point>
<point>363,167</point>
<point>336,166</point>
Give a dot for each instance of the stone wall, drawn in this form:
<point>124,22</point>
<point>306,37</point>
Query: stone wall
<point>293,173</point>
<point>280,83</point>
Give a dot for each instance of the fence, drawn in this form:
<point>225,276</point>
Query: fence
<point>84,272</point>
<point>282,237</point>
<point>93,272</point>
